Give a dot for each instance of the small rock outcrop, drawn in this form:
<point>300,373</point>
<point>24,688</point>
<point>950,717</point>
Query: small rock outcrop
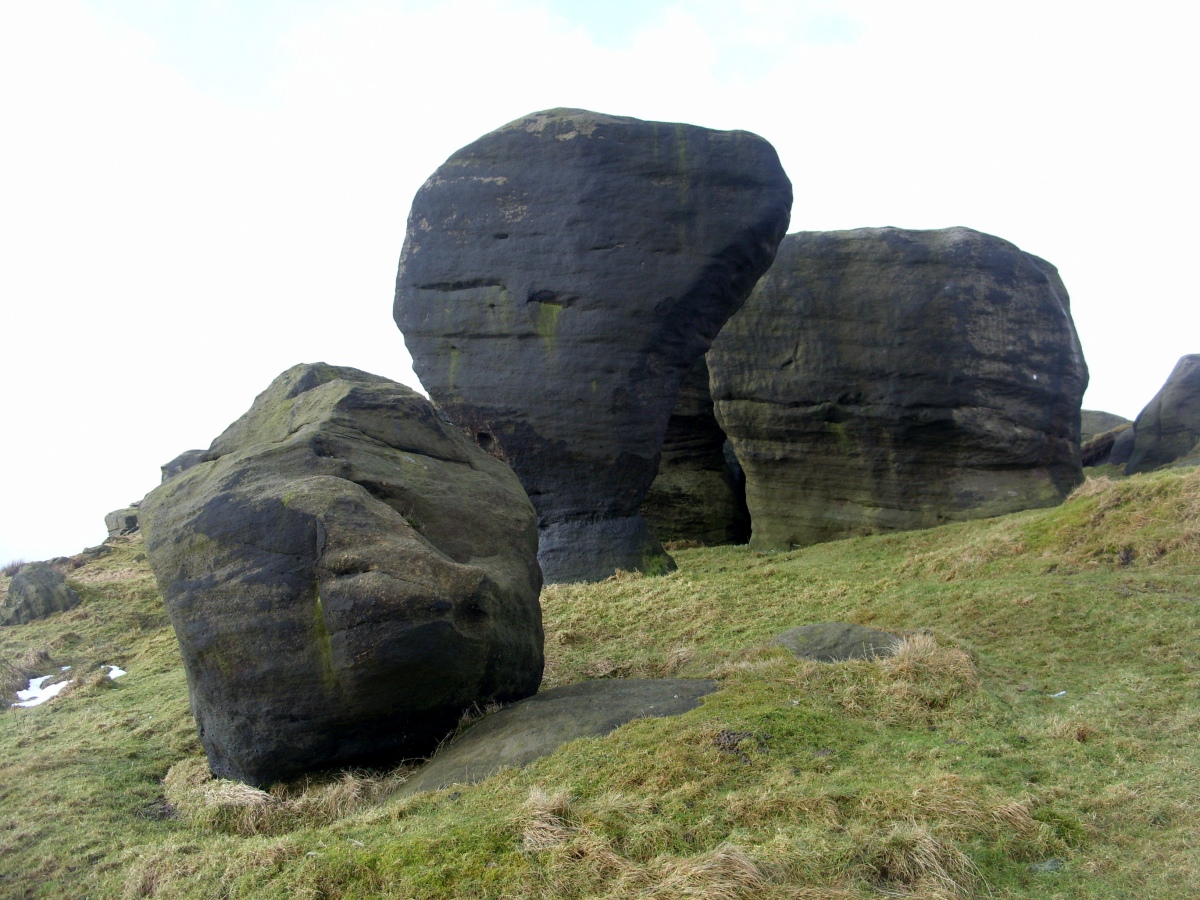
<point>1094,422</point>
<point>696,495</point>
<point>883,379</point>
<point>346,572</point>
<point>519,734</point>
<point>36,591</point>
<point>1168,429</point>
<point>559,277</point>
<point>837,641</point>
<point>1098,450</point>
<point>182,463</point>
<point>122,521</point>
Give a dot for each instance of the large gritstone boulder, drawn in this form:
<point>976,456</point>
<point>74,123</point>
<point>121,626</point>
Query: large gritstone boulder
<point>346,573</point>
<point>1168,429</point>
<point>36,591</point>
<point>696,496</point>
<point>882,379</point>
<point>559,276</point>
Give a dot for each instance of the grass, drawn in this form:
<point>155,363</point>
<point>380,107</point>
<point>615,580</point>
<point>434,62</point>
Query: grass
<point>1034,737</point>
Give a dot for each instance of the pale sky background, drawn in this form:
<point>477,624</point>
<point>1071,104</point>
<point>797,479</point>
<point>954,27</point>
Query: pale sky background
<point>196,195</point>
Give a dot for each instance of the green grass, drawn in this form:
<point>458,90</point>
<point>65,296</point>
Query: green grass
<point>949,771</point>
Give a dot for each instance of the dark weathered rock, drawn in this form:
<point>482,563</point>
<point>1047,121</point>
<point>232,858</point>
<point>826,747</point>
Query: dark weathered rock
<point>696,495</point>
<point>559,276</point>
<point>883,379</point>
<point>122,521</point>
<point>1122,447</point>
<point>1094,422</point>
<point>346,572</point>
<point>1168,429</point>
<point>837,641</point>
<point>36,591</point>
<point>1097,450</point>
<point>519,734</point>
<point>182,463</point>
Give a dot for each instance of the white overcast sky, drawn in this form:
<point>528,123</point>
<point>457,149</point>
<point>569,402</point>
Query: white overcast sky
<point>196,195</point>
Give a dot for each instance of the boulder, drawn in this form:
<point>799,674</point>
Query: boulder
<point>1122,447</point>
<point>346,573</point>
<point>883,379</point>
<point>837,641</point>
<point>696,495</point>
<point>559,278</point>
<point>1094,422</point>
<point>36,591</point>
<point>519,734</point>
<point>122,521</point>
<point>1168,429</point>
<point>182,462</point>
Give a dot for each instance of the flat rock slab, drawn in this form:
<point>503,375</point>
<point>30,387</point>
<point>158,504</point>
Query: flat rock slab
<point>526,731</point>
<point>837,642</point>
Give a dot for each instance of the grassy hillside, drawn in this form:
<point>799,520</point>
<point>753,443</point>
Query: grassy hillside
<point>1036,736</point>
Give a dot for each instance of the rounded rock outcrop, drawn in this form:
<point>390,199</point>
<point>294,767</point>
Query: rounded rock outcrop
<point>346,573</point>
<point>559,277</point>
<point>883,379</point>
<point>37,590</point>
<point>1168,429</point>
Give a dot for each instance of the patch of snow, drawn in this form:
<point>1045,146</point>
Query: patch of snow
<point>115,672</point>
<point>39,692</point>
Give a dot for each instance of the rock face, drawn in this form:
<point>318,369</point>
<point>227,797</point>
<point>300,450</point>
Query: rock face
<point>36,591</point>
<point>519,734</point>
<point>559,277</point>
<point>837,641</point>
<point>1094,422</point>
<point>345,572</point>
<point>696,495</point>
<point>882,379</point>
<point>1168,429</point>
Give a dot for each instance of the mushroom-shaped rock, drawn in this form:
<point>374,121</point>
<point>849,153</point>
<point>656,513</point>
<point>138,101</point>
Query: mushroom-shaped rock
<point>346,572</point>
<point>36,591</point>
<point>559,277</point>
<point>882,379</point>
<point>1168,429</point>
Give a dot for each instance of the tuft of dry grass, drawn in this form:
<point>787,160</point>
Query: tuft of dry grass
<point>911,859</point>
<point>230,807</point>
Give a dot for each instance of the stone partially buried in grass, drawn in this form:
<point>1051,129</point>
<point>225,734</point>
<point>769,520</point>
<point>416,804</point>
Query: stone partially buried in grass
<point>837,641</point>
<point>346,573</point>
<point>536,727</point>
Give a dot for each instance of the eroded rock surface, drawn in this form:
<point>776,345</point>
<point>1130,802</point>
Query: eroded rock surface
<point>559,276</point>
<point>883,379</point>
<point>1168,429</point>
<point>519,734</point>
<point>696,495</point>
<point>346,572</point>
